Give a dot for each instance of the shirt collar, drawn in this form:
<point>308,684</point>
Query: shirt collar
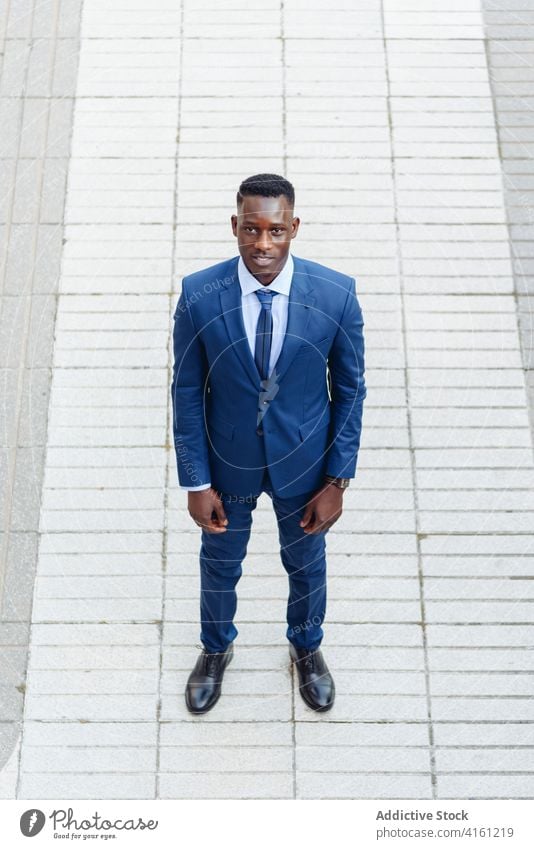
<point>281,283</point>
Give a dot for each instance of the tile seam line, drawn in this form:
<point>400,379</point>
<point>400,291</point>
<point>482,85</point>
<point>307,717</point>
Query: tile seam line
<point>432,772</point>
<point>283,95</point>
<point>168,436</point>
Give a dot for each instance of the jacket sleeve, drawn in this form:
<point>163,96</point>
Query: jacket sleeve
<point>190,373</point>
<point>347,383</point>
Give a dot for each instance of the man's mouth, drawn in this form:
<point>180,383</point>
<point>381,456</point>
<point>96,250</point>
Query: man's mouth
<point>262,260</point>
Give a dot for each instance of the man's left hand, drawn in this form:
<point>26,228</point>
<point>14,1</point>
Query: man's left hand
<point>323,510</point>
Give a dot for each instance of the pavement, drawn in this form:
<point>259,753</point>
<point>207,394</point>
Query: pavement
<point>408,131</point>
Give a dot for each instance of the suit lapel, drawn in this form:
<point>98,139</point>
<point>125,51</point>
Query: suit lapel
<point>301,300</point>
<point>230,298</point>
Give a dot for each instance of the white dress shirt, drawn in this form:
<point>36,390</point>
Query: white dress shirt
<point>251,308</point>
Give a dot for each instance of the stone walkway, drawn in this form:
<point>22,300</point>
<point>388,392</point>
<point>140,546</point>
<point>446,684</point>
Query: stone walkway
<point>406,128</point>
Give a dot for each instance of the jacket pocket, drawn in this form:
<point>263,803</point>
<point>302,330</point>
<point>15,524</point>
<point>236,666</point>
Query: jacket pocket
<point>313,426</point>
<point>307,346</point>
<point>221,426</point>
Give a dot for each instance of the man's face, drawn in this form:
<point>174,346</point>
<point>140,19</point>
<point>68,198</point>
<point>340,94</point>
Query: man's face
<point>264,228</point>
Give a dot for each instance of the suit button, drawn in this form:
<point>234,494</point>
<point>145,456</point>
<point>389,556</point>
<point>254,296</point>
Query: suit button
<point>259,431</point>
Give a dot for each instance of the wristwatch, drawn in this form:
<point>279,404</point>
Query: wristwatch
<point>342,483</point>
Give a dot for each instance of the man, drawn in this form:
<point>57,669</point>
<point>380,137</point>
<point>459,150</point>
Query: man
<point>268,389</point>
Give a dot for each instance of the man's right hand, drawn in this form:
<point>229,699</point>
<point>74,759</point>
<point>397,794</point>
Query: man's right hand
<point>202,504</point>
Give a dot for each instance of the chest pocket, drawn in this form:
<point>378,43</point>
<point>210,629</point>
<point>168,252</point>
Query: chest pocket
<point>319,348</point>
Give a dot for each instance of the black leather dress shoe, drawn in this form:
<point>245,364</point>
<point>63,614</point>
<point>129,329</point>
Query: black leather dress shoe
<point>204,683</point>
<point>315,682</point>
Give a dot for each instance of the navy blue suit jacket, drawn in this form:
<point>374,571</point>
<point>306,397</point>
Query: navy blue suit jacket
<point>312,404</point>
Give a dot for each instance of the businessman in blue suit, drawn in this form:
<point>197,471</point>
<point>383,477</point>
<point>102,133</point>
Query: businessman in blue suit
<point>267,390</point>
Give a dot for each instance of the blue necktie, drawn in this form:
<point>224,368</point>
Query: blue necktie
<point>264,330</point>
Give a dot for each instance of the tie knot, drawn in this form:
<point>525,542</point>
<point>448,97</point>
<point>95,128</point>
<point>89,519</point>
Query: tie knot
<point>265,297</point>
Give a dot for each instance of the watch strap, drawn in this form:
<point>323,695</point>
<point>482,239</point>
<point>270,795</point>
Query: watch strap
<point>341,483</point>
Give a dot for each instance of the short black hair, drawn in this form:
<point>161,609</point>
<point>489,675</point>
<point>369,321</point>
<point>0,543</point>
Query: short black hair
<point>267,186</point>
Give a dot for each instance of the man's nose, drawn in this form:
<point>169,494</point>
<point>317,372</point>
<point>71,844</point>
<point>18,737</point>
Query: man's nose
<point>263,242</point>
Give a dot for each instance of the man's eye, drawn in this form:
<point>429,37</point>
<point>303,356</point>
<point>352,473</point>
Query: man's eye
<point>277,230</point>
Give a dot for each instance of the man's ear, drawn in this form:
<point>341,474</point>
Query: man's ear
<point>295,227</point>
<point>234,224</point>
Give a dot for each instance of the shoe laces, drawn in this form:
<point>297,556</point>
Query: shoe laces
<point>309,662</point>
<point>211,662</point>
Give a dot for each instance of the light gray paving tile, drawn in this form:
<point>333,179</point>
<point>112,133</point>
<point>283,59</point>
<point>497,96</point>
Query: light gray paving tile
<point>98,587</point>
<point>482,684</point>
<point>312,785</point>
<point>111,760</point>
<point>101,543</point>
<point>246,785</point>
<point>26,192</point>
<point>18,578</point>
<point>15,61</point>
<point>14,633</point>
<point>203,760</point>
<point>69,15</point>
<point>491,544</point>
<point>358,759</point>
<point>66,66</point>
<point>39,68</point>
<point>25,493</point>
<point>94,682</point>
<point>488,760</point>
<point>94,635</point>
<point>480,588</point>
<point>492,734</point>
<point>480,611</point>
<point>98,734</point>
<point>390,681</point>
<point>483,786</point>
<point>90,707</point>
<point>105,657</point>
<point>102,499</point>
<point>474,708</point>
<point>498,522</point>
<point>50,785</point>
<point>7,172</point>
<point>475,478</point>
<point>479,659</point>
<point>13,664</point>
<point>43,23</point>
<point>11,701</point>
<point>145,564</point>
<point>33,132</point>
<point>480,635</point>
<point>260,734</point>
<point>99,520</point>
<point>9,745</point>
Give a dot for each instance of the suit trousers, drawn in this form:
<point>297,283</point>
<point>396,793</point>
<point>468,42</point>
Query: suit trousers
<point>303,557</point>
